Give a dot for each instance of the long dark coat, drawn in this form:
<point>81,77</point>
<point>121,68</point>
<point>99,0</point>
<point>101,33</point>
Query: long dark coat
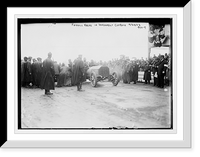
<point>147,73</point>
<point>135,73</point>
<point>161,67</point>
<point>47,82</point>
<point>78,71</point>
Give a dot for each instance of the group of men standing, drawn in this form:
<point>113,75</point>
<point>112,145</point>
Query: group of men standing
<point>161,72</point>
<point>159,68</point>
<point>31,72</point>
<point>42,74</point>
<point>130,73</point>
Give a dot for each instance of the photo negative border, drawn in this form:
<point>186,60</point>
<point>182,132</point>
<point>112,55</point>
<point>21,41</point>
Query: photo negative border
<point>155,21</point>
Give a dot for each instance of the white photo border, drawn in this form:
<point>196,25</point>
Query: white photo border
<point>137,139</point>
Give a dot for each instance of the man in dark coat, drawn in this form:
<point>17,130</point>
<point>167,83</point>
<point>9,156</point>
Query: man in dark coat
<point>155,71</point>
<point>135,72</point>
<point>155,75</point>
<point>147,73</point>
<point>47,82</point>
<point>161,72</point>
<point>78,73</point>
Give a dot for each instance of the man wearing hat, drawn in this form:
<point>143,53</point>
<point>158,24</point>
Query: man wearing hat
<point>47,82</point>
<point>147,73</point>
<point>78,73</point>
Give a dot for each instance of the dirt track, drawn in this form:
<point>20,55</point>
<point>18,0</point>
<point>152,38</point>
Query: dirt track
<point>132,106</point>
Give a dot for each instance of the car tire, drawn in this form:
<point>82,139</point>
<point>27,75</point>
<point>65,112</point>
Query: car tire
<point>116,80</point>
<point>93,80</point>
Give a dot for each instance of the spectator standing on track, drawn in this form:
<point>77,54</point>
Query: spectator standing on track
<point>135,72</point>
<point>78,73</point>
<point>47,82</point>
<point>147,73</point>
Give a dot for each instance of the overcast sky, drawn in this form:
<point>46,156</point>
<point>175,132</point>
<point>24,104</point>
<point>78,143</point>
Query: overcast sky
<point>97,41</point>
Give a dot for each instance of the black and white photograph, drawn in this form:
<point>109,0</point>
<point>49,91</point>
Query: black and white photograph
<point>100,77</point>
<point>95,73</point>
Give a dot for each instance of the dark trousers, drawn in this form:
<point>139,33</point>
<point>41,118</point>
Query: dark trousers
<point>25,84</point>
<point>155,81</point>
<point>147,81</point>
<point>161,81</point>
<point>47,91</point>
<point>167,82</point>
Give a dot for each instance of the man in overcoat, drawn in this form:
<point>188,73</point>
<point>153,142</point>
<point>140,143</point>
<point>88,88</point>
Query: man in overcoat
<point>147,73</point>
<point>78,73</point>
<point>47,82</point>
<point>135,72</point>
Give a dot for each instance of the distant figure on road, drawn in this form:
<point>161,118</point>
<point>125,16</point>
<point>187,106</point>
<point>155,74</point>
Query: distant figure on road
<point>78,73</point>
<point>48,75</point>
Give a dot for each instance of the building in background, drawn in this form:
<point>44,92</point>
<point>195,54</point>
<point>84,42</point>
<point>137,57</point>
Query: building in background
<point>159,39</point>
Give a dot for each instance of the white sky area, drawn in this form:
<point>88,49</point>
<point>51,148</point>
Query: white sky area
<point>67,41</point>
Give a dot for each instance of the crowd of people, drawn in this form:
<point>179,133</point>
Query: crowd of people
<point>157,66</point>
<point>36,73</point>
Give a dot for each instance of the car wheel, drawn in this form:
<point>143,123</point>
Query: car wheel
<point>93,80</point>
<point>115,79</point>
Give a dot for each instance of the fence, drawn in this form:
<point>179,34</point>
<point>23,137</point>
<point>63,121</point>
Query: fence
<point>141,75</point>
